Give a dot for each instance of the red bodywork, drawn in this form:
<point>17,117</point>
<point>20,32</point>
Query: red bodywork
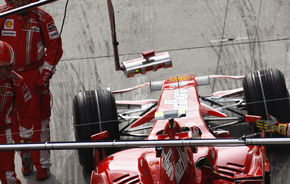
<point>184,165</point>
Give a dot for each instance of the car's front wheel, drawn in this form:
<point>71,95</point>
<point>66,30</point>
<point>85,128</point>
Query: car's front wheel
<point>94,111</point>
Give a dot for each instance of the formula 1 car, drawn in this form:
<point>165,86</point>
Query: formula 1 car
<point>188,138</point>
<point>180,114</point>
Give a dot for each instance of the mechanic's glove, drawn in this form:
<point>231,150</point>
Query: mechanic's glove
<point>272,126</point>
<point>44,77</point>
<point>271,120</point>
<point>263,126</point>
<point>267,125</point>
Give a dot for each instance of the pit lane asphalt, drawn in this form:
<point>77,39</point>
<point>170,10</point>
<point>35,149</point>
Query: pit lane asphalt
<point>202,36</point>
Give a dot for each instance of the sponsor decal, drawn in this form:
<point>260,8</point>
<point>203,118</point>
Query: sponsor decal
<point>53,35</point>
<point>168,167</point>
<point>2,89</point>
<point>26,93</point>
<point>50,26</point>
<point>181,78</point>
<point>180,100</point>
<point>181,164</point>
<point>35,29</point>
<point>9,24</point>
<point>30,27</point>
<point>9,33</point>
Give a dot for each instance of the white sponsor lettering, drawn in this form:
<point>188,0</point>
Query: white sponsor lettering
<point>180,99</point>
<point>168,164</point>
<point>53,34</point>
<point>9,33</point>
<point>34,28</point>
<point>181,164</point>
<point>51,26</point>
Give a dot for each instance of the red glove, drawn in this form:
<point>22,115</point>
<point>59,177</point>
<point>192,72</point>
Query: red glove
<point>44,77</point>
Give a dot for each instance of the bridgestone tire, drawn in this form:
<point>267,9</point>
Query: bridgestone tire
<point>277,100</point>
<point>94,112</point>
<point>275,92</point>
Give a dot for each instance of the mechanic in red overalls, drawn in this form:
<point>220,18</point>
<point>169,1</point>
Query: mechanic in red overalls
<point>15,100</point>
<point>38,48</point>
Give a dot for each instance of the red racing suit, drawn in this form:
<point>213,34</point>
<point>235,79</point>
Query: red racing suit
<point>37,46</point>
<point>15,99</point>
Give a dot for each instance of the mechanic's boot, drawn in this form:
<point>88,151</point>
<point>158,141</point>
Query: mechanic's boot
<point>42,174</point>
<point>27,165</point>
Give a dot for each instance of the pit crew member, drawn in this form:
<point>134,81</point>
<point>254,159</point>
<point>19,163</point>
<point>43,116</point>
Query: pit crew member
<point>38,48</point>
<point>15,100</point>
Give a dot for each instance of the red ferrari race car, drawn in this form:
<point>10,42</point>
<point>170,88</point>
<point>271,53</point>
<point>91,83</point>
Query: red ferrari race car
<point>180,114</point>
<point>183,137</point>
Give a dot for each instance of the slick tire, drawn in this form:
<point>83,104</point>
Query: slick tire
<point>275,94</point>
<point>94,111</point>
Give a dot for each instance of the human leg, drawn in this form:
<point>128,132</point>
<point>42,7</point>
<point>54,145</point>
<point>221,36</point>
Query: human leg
<point>41,159</point>
<point>7,169</point>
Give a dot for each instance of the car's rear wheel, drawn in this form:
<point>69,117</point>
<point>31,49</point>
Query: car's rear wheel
<point>265,90</point>
<point>94,112</point>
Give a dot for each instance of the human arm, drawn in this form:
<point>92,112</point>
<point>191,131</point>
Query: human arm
<point>272,125</point>
<point>53,52</point>
<point>25,107</point>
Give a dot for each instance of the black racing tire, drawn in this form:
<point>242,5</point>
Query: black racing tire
<point>94,111</point>
<point>275,92</point>
<point>277,100</point>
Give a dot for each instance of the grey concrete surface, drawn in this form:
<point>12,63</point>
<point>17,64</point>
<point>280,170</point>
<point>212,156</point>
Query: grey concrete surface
<point>255,36</point>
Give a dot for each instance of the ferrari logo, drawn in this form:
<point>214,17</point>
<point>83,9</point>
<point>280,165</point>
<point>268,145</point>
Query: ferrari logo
<point>26,25</point>
<point>2,90</point>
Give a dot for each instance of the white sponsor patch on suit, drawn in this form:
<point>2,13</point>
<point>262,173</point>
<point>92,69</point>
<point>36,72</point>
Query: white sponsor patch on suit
<point>9,24</point>
<point>34,28</point>
<point>51,26</point>
<point>53,34</point>
<point>9,33</point>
